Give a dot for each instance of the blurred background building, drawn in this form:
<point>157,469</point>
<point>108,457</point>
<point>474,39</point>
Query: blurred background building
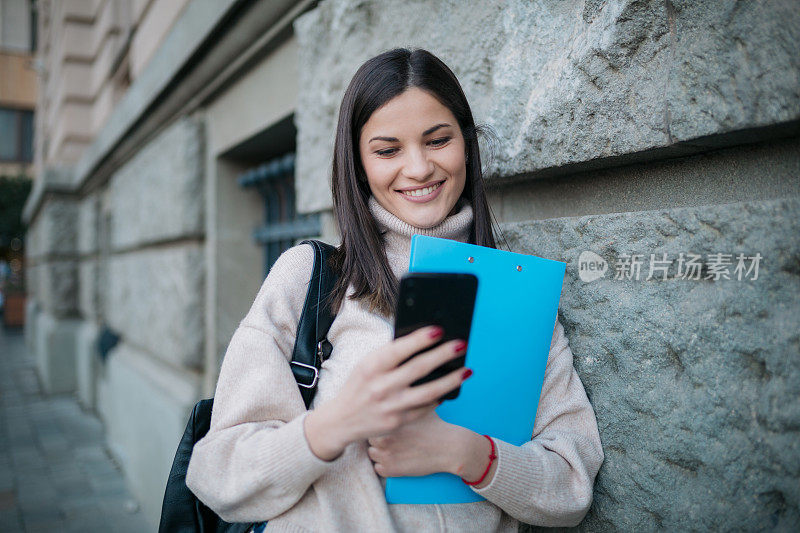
<point>17,86</point>
<point>180,145</point>
<point>17,103</point>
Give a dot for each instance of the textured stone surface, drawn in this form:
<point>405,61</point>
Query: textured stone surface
<point>57,286</point>
<point>562,82</point>
<point>158,194</point>
<point>88,288</point>
<point>155,301</point>
<point>695,382</point>
<point>735,65</point>
<point>55,230</point>
<point>88,212</point>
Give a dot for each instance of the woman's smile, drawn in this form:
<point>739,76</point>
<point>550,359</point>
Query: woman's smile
<point>424,193</point>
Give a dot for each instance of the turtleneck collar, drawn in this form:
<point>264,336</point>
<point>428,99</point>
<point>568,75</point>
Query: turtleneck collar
<point>397,233</point>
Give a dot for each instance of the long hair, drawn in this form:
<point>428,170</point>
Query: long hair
<point>360,259</point>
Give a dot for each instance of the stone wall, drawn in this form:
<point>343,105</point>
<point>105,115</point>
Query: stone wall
<point>52,282</point>
<point>150,268</point>
<point>565,84</point>
<point>692,379</point>
<point>53,274</point>
<point>158,194</point>
<point>156,301</point>
<point>155,267</point>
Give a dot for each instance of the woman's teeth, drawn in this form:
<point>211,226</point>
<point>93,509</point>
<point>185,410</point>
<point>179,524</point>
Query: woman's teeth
<point>423,192</point>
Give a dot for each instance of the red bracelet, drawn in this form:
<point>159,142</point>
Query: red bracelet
<point>492,457</point>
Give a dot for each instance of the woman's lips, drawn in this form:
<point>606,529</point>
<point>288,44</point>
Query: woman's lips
<point>422,198</point>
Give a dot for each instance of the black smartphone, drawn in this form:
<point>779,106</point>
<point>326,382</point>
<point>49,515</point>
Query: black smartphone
<point>437,299</point>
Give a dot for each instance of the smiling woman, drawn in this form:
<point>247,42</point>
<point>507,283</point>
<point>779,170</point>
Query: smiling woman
<point>405,126</point>
<point>414,171</point>
<point>406,162</point>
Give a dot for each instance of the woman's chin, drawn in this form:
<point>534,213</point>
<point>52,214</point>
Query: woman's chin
<point>426,222</point>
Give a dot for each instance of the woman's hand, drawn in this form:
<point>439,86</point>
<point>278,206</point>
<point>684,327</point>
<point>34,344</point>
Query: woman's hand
<point>417,448</point>
<point>378,397</point>
<point>429,445</point>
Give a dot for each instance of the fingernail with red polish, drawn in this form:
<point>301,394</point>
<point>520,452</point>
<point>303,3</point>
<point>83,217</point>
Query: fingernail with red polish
<point>467,373</point>
<point>435,332</point>
<point>460,345</point>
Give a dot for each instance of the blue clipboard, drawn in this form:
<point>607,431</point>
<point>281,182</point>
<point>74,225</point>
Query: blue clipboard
<point>515,313</point>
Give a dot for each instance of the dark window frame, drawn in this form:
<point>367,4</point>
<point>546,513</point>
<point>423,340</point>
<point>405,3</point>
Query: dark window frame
<point>20,155</point>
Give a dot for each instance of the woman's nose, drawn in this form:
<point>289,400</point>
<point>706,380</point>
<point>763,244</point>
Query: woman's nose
<point>417,165</point>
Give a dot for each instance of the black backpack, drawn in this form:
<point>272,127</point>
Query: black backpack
<point>182,511</point>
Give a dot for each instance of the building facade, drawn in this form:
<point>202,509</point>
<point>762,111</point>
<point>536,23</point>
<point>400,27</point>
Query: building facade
<point>17,87</point>
<point>182,144</point>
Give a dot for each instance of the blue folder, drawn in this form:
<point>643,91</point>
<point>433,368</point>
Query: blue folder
<point>512,326</point>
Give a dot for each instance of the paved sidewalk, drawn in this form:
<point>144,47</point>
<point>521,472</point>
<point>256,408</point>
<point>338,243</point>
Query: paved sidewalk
<point>55,471</point>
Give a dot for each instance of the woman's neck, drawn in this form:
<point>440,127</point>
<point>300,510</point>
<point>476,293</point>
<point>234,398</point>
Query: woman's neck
<point>397,233</point>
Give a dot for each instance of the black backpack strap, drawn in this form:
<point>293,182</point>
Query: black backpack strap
<point>311,345</point>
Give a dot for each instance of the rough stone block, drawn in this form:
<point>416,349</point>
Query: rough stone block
<point>88,288</point>
<point>691,379</point>
<point>734,65</point>
<point>58,286</point>
<point>564,83</point>
<point>88,213</point>
<point>55,229</point>
<point>158,194</point>
<point>155,300</point>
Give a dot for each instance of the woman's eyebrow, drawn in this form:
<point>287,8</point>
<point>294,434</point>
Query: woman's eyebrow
<point>424,133</point>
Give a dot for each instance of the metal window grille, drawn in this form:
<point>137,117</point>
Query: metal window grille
<point>274,180</point>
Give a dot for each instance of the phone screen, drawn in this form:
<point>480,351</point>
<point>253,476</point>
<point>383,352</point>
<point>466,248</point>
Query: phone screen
<point>440,299</point>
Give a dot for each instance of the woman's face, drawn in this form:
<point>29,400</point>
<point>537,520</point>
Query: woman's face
<point>412,150</point>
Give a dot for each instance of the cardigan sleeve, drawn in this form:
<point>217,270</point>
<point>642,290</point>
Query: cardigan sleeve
<point>548,480</point>
<point>255,462</point>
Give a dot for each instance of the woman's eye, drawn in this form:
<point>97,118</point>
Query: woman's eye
<point>435,143</point>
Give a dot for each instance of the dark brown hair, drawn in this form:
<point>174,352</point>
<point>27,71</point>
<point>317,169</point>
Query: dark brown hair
<point>361,259</point>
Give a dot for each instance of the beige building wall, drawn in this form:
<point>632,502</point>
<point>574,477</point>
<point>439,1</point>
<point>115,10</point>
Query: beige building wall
<point>90,52</point>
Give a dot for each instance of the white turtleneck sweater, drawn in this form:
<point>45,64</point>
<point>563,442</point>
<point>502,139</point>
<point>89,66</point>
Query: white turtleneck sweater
<point>255,463</point>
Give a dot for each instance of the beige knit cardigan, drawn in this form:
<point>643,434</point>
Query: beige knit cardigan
<point>255,463</point>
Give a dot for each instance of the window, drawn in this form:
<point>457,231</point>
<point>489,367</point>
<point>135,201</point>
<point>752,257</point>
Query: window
<point>274,180</point>
<point>16,135</point>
